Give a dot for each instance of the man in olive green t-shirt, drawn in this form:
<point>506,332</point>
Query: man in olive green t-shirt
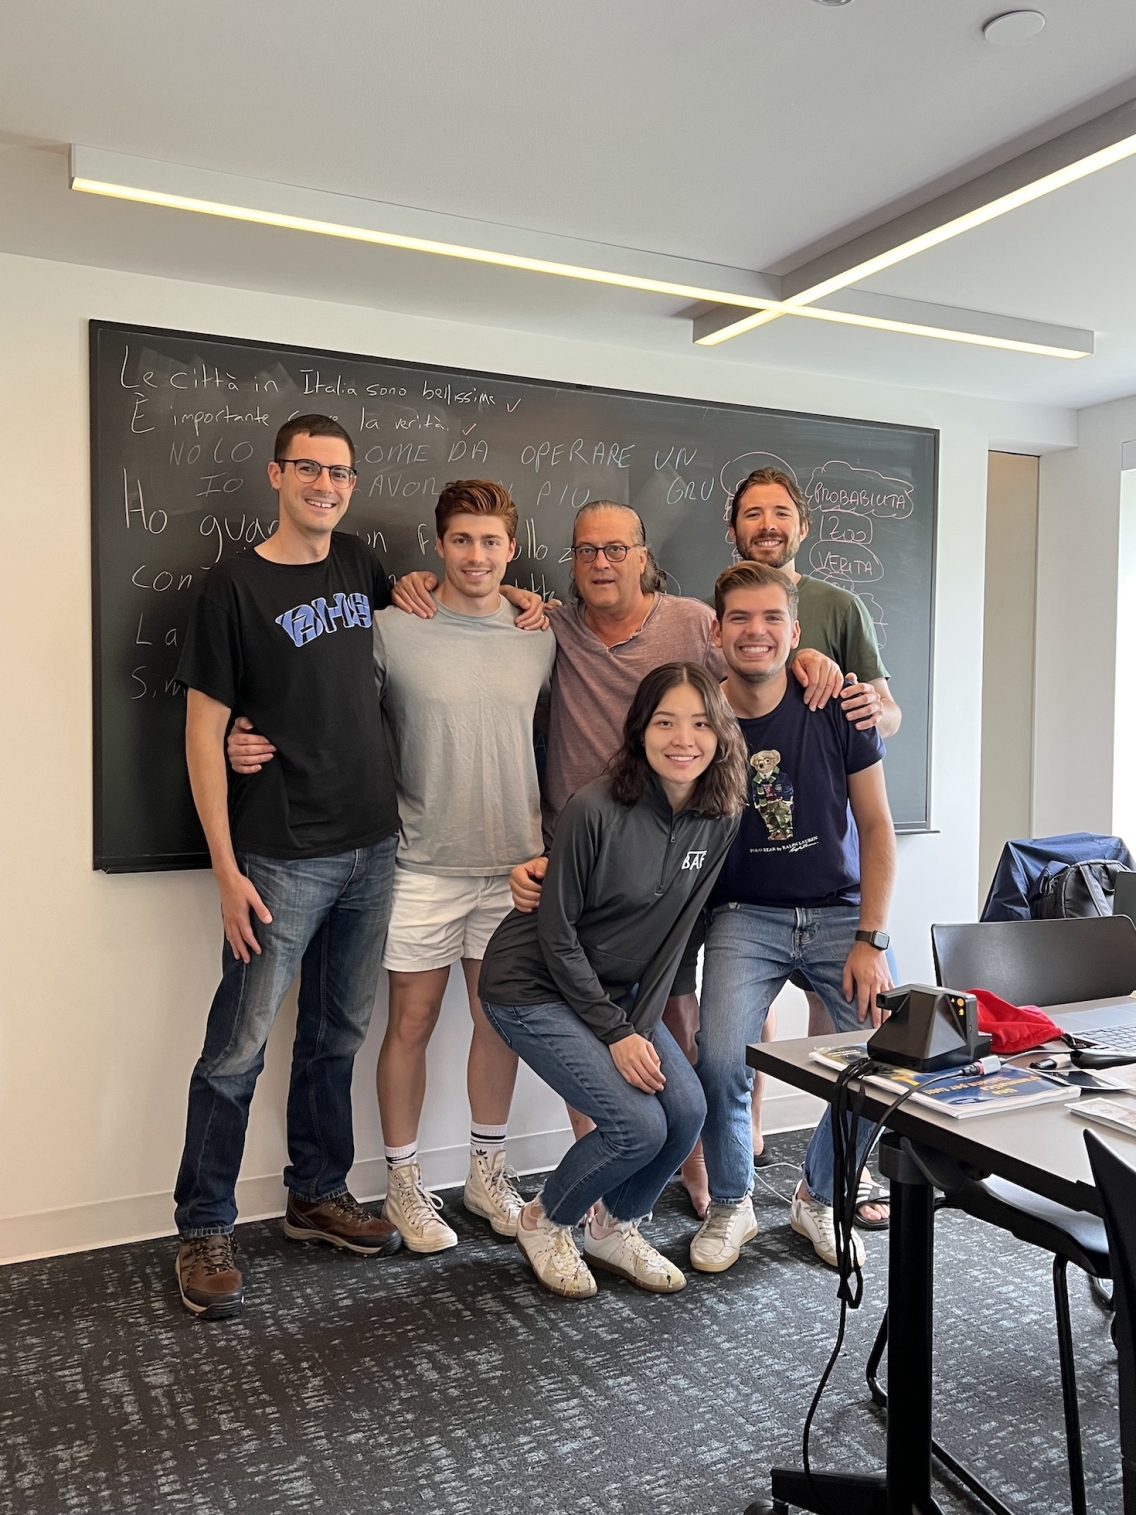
<point>769,519</point>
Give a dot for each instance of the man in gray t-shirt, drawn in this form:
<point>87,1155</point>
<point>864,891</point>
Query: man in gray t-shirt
<point>459,692</point>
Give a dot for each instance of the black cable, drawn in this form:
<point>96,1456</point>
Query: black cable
<point>847,1106</point>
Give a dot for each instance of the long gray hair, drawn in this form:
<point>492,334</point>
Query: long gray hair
<point>653,579</point>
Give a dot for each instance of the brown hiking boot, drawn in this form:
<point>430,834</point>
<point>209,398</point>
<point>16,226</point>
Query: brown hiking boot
<point>209,1280</point>
<point>343,1222</point>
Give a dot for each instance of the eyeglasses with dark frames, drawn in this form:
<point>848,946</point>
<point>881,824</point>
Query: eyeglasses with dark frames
<point>309,470</point>
<point>614,552</point>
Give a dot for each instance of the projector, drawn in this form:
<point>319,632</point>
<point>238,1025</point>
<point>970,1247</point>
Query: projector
<point>928,1028</point>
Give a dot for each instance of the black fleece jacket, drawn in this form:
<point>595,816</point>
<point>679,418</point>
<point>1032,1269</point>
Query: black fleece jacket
<point>624,886</point>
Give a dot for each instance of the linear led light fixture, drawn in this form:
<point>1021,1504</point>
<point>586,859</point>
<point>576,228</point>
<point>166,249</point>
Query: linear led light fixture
<point>94,171</point>
<point>174,186</point>
<point>1108,139</point>
<point>918,318</point>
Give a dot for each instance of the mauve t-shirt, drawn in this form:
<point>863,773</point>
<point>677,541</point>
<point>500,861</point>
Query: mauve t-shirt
<point>593,686</point>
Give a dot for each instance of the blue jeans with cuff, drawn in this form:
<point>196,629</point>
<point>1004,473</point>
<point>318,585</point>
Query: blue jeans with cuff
<point>639,1139</point>
<point>329,920</point>
<point>750,952</point>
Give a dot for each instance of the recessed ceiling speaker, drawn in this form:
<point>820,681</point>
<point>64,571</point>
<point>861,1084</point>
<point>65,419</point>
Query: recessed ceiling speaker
<point>1013,28</point>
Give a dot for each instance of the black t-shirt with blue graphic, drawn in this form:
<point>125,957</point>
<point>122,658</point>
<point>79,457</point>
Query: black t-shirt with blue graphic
<point>290,646</point>
<point>797,846</point>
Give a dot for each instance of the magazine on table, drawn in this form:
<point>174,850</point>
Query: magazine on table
<point>955,1094</point>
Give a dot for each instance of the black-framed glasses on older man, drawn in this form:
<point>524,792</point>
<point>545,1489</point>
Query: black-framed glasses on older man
<point>614,552</point>
<point>340,474</point>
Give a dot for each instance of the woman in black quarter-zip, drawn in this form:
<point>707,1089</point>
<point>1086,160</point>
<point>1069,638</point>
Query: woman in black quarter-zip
<point>577,988</point>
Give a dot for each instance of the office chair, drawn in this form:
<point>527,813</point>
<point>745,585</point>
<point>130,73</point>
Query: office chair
<point>1116,1185</point>
<point>1039,962</point>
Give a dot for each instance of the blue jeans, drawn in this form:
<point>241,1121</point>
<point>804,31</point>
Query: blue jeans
<point>750,952</point>
<point>329,920</point>
<point>639,1139</point>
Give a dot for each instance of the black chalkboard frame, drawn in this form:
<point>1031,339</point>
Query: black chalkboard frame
<point>108,862</point>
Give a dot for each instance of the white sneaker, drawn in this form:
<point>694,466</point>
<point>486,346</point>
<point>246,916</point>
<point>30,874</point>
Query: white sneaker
<point>489,1192</point>
<point>718,1242</point>
<point>626,1252</point>
<point>414,1210</point>
<point>553,1257</point>
<point>808,1217</point>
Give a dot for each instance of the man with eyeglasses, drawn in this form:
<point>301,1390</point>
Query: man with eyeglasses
<point>303,851</point>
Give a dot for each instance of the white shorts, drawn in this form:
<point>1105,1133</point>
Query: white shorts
<point>438,918</point>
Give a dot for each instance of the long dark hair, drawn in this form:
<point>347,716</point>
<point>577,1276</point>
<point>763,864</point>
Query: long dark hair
<point>718,791</point>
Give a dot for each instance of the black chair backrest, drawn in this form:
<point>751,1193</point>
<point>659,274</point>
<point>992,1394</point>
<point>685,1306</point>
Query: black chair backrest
<point>1039,962</point>
<point>1116,1185</point>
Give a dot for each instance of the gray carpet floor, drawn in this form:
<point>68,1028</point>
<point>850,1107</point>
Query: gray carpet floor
<point>455,1384</point>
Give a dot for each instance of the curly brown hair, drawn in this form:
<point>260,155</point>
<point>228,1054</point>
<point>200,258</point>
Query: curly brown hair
<point>720,790</point>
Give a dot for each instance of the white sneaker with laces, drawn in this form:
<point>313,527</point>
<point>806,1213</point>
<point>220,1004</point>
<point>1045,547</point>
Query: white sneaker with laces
<point>808,1217</point>
<point>490,1192</point>
<point>552,1255</point>
<point>718,1242</point>
<point>626,1252</point>
<point>414,1210</point>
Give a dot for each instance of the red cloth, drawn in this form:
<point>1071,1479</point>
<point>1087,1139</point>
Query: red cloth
<point>1013,1028</point>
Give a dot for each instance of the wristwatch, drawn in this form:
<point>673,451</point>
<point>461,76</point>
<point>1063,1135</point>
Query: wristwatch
<point>878,939</point>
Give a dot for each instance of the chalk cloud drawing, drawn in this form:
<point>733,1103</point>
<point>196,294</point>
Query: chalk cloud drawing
<point>843,500</point>
<point>840,486</point>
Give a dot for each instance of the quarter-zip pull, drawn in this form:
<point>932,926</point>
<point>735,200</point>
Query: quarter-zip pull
<point>661,888</point>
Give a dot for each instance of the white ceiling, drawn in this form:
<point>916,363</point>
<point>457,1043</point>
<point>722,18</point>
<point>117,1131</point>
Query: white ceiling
<point>744,132</point>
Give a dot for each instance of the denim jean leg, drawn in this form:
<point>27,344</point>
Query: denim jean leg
<point>826,940</point>
<point>240,1018</point>
<point>338,979</point>
<point>684,1106</point>
<point>631,1126</point>
<point>748,959</point>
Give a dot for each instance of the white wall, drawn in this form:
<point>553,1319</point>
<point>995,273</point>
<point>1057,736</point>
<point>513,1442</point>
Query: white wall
<point>1124,736</point>
<point>1078,568</point>
<point>106,981</point>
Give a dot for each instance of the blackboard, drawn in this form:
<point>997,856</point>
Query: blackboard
<point>182,427</point>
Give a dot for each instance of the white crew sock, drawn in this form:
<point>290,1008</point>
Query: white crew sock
<point>486,1141</point>
<point>399,1157</point>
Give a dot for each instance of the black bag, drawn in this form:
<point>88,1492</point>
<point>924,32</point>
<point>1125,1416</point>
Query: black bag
<point>1081,889</point>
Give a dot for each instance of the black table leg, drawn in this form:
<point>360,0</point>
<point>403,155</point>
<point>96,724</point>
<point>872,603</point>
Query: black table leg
<point>906,1487</point>
<point>911,1263</point>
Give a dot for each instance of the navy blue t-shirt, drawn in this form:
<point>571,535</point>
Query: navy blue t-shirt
<point>797,846</point>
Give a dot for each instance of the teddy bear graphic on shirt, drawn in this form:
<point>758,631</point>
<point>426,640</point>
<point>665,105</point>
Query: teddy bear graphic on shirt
<point>772,794</point>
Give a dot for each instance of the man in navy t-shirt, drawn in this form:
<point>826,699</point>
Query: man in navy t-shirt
<point>806,886</point>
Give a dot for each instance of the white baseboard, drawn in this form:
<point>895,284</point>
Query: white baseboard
<point>141,1217</point>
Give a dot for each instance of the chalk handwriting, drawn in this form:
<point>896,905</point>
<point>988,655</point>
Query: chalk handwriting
<point>451,396</point>
<point>155,522</point>
<point>840,485</point>
<point>199,418</point>
<point>398,486</point>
